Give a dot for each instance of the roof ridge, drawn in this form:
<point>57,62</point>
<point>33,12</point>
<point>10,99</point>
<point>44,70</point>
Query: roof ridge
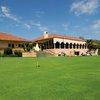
<point>58,36</point>
<point>11,37</point>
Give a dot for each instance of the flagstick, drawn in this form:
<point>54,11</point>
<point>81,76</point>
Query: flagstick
<point>37,64</point>
<point>37,49</point>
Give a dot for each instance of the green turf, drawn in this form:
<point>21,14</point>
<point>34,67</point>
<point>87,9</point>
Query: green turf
<point>57,78</point>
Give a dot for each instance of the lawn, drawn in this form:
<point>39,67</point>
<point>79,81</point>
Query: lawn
<point>57,78</point>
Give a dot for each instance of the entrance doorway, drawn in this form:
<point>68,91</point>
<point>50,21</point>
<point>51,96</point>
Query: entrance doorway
<point>42,47</point>
<point>76,53</point>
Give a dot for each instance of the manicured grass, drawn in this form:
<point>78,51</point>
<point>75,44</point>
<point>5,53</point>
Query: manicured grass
<point>57,78</point>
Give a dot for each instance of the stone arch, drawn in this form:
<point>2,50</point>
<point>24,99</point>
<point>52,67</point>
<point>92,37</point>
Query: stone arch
<point>83,46</point>
<point>80,46</point>
<point>77,46</point>
<point>70,45</point>
<point>74,45</point>
<point>62,45</point>
<point>67,45</point>
<point>57,45</point>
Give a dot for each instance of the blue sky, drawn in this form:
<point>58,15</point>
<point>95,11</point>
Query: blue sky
<point>30,18</point>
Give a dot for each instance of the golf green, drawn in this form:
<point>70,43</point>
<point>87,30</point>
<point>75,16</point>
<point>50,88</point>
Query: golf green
<point>57,78</point>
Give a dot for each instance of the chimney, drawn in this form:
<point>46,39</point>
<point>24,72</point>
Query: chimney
<point>45,34</point>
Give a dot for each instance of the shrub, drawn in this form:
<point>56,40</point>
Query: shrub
<point>18,53</point>
<point>8,51</point>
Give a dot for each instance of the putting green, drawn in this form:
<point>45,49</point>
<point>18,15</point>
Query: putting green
<point>57,78</point>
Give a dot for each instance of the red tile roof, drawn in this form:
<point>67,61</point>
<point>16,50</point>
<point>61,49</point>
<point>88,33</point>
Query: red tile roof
<point>9,37</point>
<point>50,36</point>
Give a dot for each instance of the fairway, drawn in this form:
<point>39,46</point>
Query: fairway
<point>57,78</point>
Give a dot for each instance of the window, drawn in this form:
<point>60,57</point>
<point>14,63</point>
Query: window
<point>19,45</point>
<point>12,45</point>
<point>9,45</point>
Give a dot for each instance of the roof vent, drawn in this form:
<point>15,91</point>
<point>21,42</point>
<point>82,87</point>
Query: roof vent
<point>45,34</point>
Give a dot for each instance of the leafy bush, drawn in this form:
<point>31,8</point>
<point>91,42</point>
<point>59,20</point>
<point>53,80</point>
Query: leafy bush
<point>27,46</point>
<point>18,53</point>
<point>8,51</point>
<point>28,49</point>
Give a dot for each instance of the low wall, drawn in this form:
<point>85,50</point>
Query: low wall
<point>68,52</point>
<point>28,54</point>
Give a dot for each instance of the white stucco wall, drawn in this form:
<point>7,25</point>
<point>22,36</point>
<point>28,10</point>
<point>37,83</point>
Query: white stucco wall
<point>66,40</point>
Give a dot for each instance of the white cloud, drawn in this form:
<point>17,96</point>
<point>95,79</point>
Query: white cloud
<point>40,27</point>
<point>84,7</point>
<point>5,12</point>
<point>28,26</point>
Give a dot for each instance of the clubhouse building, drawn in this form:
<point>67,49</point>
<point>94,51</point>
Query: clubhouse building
<point>57,44</point>
<point>8,40</point>
<point>54,44</point>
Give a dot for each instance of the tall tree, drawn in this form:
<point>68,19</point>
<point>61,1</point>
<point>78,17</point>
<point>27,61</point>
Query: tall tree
<point>91,45</point>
